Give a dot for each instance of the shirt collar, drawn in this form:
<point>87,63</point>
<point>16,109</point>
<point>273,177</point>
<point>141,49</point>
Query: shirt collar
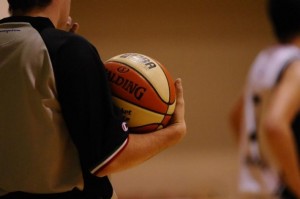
<point>38,23</point>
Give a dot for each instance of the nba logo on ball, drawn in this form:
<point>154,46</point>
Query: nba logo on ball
<point>143,89</point>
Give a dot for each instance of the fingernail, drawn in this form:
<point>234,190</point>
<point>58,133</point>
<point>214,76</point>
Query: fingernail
<point>178,81</point>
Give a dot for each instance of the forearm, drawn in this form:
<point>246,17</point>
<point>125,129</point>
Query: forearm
<point>282,109</point>
<point>235,123</point>
<point>282,144</point>
<point>235,118</point>
<point>142,147</point>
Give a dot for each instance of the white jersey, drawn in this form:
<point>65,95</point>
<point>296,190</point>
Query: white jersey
<point>259,173</point>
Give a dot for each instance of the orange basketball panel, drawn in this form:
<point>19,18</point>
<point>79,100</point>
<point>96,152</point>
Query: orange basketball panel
<point>145,129</point>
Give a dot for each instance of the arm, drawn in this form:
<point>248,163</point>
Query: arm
<point>235,117</point>
<point>283,107</point>
<point>141,147</point>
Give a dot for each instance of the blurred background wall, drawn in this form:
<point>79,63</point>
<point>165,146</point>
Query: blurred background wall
<point>210,45</point>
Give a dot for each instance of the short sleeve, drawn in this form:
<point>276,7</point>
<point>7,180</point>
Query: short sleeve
<point>95,125</point>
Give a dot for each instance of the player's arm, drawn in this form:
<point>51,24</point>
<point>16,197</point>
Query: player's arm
<point>235,117</point>
<point>141,147</point>
<point>284,105</point>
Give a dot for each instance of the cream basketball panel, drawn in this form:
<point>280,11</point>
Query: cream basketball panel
<point>150,69</point>
<point>171,108</point>
<point>137,116</point>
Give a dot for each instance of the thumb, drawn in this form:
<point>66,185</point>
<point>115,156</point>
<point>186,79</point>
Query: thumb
<point>179,112</point>
<point>74,28</point>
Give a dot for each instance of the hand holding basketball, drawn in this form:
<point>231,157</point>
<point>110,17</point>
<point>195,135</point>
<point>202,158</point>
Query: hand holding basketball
<point>142,147</point>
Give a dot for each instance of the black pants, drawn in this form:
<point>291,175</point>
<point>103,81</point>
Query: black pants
<point>95,188</point>
<point>75,194</point>
<point>287,194</point>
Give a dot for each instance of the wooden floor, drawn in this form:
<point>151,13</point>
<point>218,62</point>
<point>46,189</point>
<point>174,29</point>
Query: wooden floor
<point>175,174</point>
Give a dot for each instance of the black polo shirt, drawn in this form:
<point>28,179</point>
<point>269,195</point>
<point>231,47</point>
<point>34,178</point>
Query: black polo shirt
<point>70,85</point>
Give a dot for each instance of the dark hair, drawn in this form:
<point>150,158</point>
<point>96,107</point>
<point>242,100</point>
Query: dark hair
<point>285,18</point>
<point>25,5</point>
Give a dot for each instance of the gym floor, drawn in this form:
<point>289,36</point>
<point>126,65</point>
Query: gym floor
<point>181,175</point>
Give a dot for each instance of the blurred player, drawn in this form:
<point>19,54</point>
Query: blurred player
<point>266,118</point>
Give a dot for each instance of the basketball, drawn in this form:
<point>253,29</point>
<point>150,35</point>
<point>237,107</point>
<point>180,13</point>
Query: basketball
<point>143,89</point>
